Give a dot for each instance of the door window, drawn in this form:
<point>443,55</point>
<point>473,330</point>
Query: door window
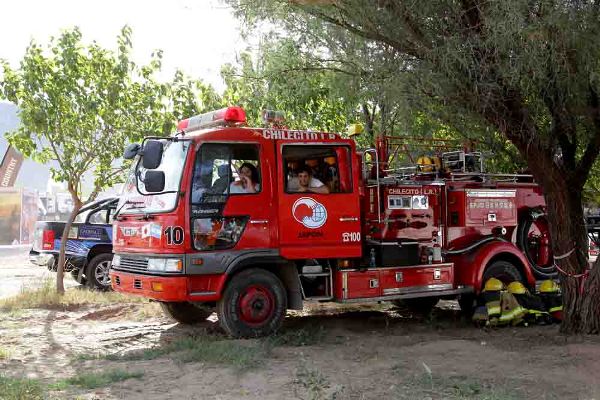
<point>221,170</point>
<point>317,169</point>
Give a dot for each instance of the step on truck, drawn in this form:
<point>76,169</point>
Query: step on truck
<point>251,222</point>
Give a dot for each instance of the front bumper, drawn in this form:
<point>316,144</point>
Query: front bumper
<point>199,288</point>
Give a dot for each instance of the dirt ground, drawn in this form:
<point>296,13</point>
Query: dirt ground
<point>326,352</point>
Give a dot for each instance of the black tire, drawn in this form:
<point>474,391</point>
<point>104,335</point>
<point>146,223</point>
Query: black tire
<point>75,275</point>
<point>253,304</point>
<point>96,272</point>
<point>422,306</point>
<point>504,271</point>
<point>186,313</point>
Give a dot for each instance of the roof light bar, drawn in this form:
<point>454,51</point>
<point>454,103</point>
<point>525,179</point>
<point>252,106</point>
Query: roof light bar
<point>226,116</point>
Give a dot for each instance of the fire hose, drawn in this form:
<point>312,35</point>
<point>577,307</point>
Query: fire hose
<point>534,214</point>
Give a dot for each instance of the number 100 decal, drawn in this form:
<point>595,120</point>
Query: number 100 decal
<point>351,237</point>
<point>174,234</point>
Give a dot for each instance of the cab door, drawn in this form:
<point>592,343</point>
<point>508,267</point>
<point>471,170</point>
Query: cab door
<point>313,225</point>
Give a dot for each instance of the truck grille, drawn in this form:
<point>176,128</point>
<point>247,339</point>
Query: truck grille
<point>137,264</point>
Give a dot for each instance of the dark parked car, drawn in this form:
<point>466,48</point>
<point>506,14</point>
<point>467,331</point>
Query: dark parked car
<point>89,246</point>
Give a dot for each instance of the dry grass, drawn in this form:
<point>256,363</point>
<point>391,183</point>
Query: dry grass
<point>46,297</point>
<point>4,353</point>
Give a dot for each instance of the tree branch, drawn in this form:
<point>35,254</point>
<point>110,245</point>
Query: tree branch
<point>398,46</point>
<point>593,148</point>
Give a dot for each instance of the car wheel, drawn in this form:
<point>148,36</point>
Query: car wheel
<point>97,272</point>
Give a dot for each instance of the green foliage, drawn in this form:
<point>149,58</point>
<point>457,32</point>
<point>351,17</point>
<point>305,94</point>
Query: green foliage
<point>204,348</point>
<point>371,82</point>
<point>80,104</point>
<point>278,78</point>
<point>20,389</point>
<point>95,380</point>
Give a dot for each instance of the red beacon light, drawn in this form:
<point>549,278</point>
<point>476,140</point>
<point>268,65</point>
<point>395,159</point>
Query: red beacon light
<point>230,116</point>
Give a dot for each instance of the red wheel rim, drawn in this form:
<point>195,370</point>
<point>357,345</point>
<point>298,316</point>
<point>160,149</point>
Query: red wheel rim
<point>256,305</point>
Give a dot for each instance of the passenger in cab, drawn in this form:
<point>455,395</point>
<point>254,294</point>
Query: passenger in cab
<point>304,182</point>
<point>248,180</point>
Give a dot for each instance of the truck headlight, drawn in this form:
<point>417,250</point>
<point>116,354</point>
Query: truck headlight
<point>173,265</point>
<point>165,264</point>
<point>116,261</point>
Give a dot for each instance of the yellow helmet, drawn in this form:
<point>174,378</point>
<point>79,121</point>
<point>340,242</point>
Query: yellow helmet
<point>425,164</point>
<point>516,288</point>
<point>493,285</point>
<point>549,286</point>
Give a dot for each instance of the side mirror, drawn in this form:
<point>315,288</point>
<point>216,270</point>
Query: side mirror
<point>154,181</point>
<point>131,151</point>
<point>152,154</point>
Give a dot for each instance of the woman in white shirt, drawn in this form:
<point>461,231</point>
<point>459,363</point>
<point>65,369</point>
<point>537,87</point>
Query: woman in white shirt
<point>247,182</point>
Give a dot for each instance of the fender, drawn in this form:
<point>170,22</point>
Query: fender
<point>469,268</point>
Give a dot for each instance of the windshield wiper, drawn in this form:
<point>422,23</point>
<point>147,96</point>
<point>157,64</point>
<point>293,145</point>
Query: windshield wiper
<point>130,208</point>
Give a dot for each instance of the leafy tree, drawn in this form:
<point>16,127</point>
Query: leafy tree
<point>277,78</point>
<point>528,70</point>
<point>80,104</point>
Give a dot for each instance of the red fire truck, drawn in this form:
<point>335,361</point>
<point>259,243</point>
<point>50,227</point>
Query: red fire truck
<point>251,222</point>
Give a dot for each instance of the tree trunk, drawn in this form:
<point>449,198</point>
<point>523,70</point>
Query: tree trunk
<point>369,125</point>
<point>60,268</point>
<point>569,244</point>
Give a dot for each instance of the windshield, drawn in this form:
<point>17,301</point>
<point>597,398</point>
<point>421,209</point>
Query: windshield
<point>173,160</point>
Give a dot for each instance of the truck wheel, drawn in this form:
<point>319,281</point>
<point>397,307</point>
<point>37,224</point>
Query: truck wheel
<point>186,313</point>
<point>422,306</point>
<point>75,275</point>
<point>96,272</point>
<point>253,304</point>
<point>504,271</point>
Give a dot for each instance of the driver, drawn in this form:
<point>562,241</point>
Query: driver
<point>305,183</point>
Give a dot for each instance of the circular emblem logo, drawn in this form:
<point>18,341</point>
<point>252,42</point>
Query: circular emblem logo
<point>309,212</point>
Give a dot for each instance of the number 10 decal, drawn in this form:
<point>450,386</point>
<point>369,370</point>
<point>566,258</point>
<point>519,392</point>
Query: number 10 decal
<point>174,234</point>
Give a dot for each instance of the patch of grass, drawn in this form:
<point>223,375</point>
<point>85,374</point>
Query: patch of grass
<point>297,337</point>
<point>46,297</point>
<point>208,349</point>
<point>20,389</point>
<point>4,353</point>
<point>312,381</point>
<point>458,388</point>
<point>97,379</point>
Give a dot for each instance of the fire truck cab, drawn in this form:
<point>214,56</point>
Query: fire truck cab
<point>251,222</point>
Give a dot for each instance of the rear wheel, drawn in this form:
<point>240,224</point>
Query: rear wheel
<point>253,304</point>
<point>186,313</point>
<point>96,273</point>
<point>504,271</point>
